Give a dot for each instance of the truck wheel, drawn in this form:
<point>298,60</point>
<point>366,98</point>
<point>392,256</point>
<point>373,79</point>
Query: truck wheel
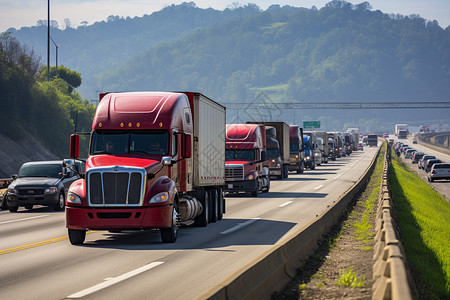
<point>61,202</point>
<point>213,200</point>
<point>221,202</point>
<point>203,218</point>
<point>313,166</point>
<point>169,235</point>
<point>13,208</point>
<point>76,237</point>
<point>28,206</point>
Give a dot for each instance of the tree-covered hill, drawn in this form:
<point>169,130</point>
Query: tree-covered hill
<point>341,52</point>
<point>108,44</point>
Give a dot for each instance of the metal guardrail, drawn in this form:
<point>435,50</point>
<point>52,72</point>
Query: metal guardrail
<point>4,182</point>
<point>391,276</point>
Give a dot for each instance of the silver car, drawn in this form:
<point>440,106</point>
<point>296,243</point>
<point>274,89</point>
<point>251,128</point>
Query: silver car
<point>439,171</point>
<point>421,163</point>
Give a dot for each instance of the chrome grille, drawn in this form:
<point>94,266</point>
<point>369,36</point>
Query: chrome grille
<point>234,172</point>
<point>115,186</point>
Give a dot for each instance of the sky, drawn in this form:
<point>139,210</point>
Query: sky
<point>26,13</point>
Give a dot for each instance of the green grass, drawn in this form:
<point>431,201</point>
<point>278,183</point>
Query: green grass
<point>350,279</point>
<point>363,225</point>
<point>423,217</point>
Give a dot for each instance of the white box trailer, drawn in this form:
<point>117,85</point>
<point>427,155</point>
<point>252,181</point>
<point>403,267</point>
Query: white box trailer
<point>209,141</point>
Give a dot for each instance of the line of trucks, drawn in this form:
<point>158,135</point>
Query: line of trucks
<point>163,160</point>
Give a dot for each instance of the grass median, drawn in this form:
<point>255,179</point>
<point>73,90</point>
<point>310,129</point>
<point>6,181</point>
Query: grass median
<point>423,217</point>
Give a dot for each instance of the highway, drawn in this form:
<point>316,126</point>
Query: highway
<point>441,186</point>
<point>38,262</point>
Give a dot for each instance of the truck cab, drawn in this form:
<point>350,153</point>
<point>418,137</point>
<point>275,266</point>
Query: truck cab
<point>244,156</point>
<point>156,161</point>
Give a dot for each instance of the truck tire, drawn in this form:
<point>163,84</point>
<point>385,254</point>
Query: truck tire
<point>13,208</point>
<point>169,235</point>
<point>76,237</point>
<point>61,202</point>
<point>214,205</point>
<point>203,218</point>
<point>221,202</point>
<point>28,206</point>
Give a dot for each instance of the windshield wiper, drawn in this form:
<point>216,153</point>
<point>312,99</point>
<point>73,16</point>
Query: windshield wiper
<point>139,151</point>
<point>101,152</point>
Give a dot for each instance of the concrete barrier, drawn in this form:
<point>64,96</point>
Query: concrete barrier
<point>391,276</point>
<point>271,271</point>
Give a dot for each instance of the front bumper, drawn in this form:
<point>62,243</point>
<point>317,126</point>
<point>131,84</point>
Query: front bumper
<point>151,217</point>
<point>241,186</point>
<point>275,172</point>
<point>45,199</point>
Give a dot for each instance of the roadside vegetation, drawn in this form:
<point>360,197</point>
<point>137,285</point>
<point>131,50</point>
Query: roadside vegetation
<point>423,217</point>
<point>32,104</point>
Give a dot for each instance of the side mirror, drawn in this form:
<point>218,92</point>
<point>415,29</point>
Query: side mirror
<point>74,146</point>
<point>166,160</point>
<point>263,155</point>
<point>187,147</point>
<point>14,176</point>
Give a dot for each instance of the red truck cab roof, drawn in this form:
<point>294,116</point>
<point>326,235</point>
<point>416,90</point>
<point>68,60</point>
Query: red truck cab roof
<point>246,136</point>
<point>143,110</point>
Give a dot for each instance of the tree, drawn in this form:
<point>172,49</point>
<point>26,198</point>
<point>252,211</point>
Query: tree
<point>72,78</point>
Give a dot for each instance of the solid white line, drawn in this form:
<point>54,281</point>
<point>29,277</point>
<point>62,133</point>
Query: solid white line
<point>239,226</point>
<point>316,188</point>
<point>337,176</point>
<point>25,219</point>
<point>285,203</point>
<point>115,280</point>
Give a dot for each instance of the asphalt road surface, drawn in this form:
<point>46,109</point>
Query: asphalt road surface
<point>38,262</point>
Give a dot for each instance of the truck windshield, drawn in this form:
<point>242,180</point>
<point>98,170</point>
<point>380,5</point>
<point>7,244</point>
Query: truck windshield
<point>244,154</point>
<point>272,153</point>
<point>294,148</point>
<point>120,142</point>
<point>40,170</point>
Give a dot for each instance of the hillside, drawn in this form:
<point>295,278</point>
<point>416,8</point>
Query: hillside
<point>343,52</point>
<point>13,153</point>
<point>108,44</point>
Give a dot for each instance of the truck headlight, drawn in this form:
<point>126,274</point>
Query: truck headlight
<point>273,160</point>
<point>160,197</point>
<point>308,158</point>
<point>73,198</point>
<point>250,177</point>
<point>50,190</point>
<point>12,190</point>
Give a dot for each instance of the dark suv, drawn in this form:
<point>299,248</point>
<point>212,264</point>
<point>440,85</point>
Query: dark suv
<point>41,183</point>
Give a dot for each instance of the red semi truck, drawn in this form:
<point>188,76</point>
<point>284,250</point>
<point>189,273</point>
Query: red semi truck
<point>156,161</point>
<point>245,154</point>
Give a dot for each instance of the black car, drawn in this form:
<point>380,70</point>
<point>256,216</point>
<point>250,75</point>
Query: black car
<point>41,183</point>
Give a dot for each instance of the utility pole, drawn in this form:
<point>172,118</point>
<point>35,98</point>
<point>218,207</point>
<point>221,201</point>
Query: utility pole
<point>48,41</point>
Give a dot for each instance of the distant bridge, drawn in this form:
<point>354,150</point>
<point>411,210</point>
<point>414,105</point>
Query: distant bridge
<point>337,105</point>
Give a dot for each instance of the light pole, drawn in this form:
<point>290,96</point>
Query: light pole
<point>56,56</point>
<point>48,40</point>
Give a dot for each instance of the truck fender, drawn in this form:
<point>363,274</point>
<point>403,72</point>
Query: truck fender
<point>162,184</point>
<point>251,173</point>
